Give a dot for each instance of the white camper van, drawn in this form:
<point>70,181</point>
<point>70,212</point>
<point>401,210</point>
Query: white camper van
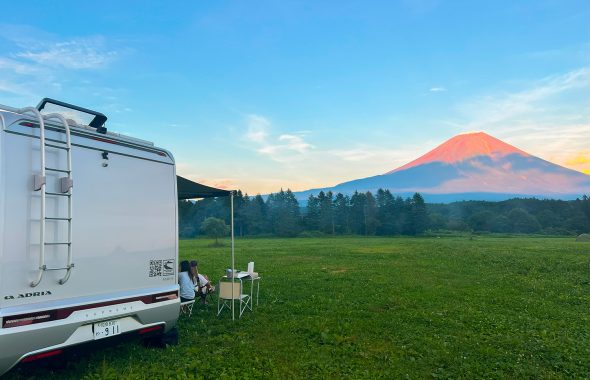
<point>88,233</point>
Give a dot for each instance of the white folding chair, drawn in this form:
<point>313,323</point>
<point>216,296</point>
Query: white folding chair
<point>229,292</point>
<point>187,307</point>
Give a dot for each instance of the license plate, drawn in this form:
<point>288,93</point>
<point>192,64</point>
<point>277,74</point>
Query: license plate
<point>106,329</point>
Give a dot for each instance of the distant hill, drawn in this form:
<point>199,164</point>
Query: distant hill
<point>472,166</point>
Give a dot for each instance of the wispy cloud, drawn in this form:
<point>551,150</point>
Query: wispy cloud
<point>12,88</point>
<point>549,118</point>
<point>18,67</point>
<point>36,63</point>
<point>528,104</point>
<point>258,128</point>
<point>437,89</point>
<point>378,159</point>
<point>282,148</point>
<point>75,54</point>
<point>295,143</point>
<point>355,154</point>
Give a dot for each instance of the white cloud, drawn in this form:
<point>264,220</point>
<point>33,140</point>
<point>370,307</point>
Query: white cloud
<point>295,143</point>
<point>549,118</point>
<point>380,159</point>
<point>437,89</point>
<point>258,128</point>
<point>12,88</point>
<point>35,64</point>
<point>76,54</point>
<point>526,105</point>
<point>17,67</point>
<point>354,154</point>
<point>285,148</point>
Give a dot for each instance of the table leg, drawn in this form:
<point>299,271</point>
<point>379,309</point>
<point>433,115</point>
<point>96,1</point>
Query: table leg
<point>251,294</point>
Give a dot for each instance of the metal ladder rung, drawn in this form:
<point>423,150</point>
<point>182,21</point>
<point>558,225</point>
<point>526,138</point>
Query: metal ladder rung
<point>58,170</point>
<point>58,194</point>
<point>64,268</point>
<point>56,141</point>
<point>58,243</point>
<point>57,146</point>
<point>52,218</point>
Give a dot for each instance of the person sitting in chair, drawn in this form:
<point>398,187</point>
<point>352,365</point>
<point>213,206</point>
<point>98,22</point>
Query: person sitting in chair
<point>201,282</point>
<point>185,280</point>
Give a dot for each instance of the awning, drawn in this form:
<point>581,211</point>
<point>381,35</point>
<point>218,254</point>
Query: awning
<point>188,189</point>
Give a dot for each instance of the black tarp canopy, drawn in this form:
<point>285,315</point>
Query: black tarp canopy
<point>188,189</point>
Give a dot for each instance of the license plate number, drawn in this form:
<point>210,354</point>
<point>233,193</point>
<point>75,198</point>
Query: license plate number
<point>106,329</point>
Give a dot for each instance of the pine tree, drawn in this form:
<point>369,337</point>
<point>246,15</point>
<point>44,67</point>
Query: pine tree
<point>357,213</point>
<point>419,215</point>
<point>256,215</point>
<point>283,211</point>
<point>239,206</point>
<point>326,212</point>
<point>341,214</point>
<point>385,212</point>
<point>312,216</point>
<point>371,221</point>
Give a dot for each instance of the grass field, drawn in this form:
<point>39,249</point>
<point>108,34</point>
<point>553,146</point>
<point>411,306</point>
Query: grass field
<point>356,307</point>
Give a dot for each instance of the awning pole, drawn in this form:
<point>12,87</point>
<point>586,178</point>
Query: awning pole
<point>233,264</point>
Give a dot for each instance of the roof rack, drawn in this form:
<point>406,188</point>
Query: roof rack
<point>96,125</point>
<point>97,122</point>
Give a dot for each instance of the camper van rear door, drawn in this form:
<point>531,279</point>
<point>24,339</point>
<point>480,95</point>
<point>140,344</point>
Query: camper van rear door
<point>106,329</point>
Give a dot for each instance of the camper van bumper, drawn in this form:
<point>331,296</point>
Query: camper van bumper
<point>29,340</point>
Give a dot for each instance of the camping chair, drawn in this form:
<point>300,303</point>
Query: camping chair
<point>187,307</point>
<point>203,294</point>
<point>229,292</point>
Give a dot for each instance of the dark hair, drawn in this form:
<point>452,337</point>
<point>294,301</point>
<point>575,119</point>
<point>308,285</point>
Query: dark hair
<point>193,276</point>
<point>185,266</point>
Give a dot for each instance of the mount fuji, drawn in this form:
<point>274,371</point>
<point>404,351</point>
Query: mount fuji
<point>472,166</point>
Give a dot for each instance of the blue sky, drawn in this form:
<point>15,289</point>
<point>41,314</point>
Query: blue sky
<point>263,95</point>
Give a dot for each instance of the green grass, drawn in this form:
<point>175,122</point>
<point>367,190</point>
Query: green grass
<point>380,308</point>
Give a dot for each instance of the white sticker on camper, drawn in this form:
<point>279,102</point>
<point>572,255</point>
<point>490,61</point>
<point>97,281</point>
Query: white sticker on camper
<point>155,268</point>
<point>168,268</point>
<point>159,268</point>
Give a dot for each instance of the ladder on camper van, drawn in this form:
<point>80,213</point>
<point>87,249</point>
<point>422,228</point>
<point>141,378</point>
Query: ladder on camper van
<point>64,191</point>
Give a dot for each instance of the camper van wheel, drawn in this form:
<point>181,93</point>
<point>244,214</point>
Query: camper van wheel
<point>171,337</point>
<point>161,341</point>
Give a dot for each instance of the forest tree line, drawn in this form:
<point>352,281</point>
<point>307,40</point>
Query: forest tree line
<point>383,214</point>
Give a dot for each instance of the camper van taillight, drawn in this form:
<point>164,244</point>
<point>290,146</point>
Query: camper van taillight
<point>42,355</point>
<point>151,329</point>
<point>27,319</point>
<point>164,297</point>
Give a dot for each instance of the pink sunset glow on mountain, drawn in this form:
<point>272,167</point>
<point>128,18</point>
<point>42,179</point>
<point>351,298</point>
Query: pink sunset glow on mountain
<point>473,166</point>
<point>463,147</point>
